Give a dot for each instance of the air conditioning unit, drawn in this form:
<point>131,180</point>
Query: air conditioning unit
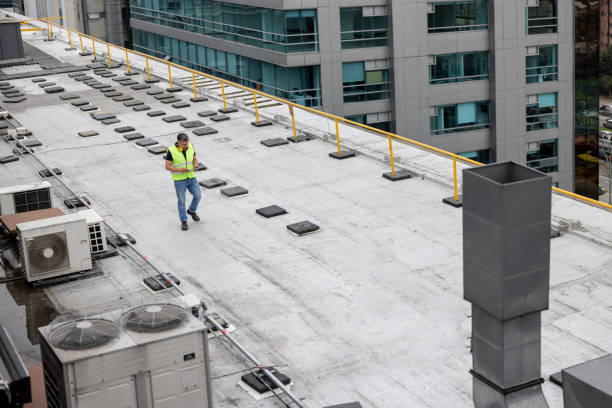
<point>26,197</point>
<point>152,356</point>
<point>53,246</point>
<point>97,233</point>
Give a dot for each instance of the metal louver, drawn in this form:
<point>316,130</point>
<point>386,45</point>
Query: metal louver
<point>154,317</point>
<point>83,334</point>
<point>47,253</point>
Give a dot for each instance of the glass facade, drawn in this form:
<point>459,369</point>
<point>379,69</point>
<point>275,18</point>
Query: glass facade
<point>544,156</point>
<point>541,19</point>
<point>279,30</point>
<point>358,30</point>
<point>461,67</point>
<point>376,120</point>
<point>359,85</point>
<point>542,112</point>
<point>457,16</point>
<point>298,84</point>
<point>586,76</point>
<point>482,156</point>
<point>461,117</point>
<point>543,66</point>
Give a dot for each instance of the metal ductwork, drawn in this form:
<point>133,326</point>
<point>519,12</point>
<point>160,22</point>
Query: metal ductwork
<point>506,276</point>
<point>11,45</point>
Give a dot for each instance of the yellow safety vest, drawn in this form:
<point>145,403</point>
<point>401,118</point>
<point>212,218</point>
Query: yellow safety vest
<point>179,161</point>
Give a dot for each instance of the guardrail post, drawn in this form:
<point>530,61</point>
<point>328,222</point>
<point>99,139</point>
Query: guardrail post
<point>258,123</point>
<point>393,175</point>
<point>340,154</point>
<point>127,60</point>
<point>456,200</point>
<point>225,108</point>
<point>93,45</point>
<point>70,40</point>
<point>148,72</point>
<point>110,61</point>
<point>195,88</point>
<point>170,75</point>
<point>81,41</point>
<point>293,122</point>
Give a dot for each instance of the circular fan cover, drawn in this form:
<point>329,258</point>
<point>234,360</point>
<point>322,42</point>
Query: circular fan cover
<point>154,317</point>
<point>48,253</point>
<point>83,334</point>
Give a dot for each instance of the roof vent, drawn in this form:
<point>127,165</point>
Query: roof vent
<point>11,45</point>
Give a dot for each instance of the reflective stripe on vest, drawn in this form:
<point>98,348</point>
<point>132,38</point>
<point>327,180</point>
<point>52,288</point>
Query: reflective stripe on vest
<point>180,161</point>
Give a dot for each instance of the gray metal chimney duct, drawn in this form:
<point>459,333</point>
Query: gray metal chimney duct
<point>506,260</point>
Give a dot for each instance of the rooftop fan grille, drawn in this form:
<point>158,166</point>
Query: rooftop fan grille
<point>83,334</point>
<point>47,253</point>
<point>153,318</point>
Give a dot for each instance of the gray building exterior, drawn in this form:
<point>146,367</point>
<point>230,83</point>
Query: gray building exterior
<point>492,80</point>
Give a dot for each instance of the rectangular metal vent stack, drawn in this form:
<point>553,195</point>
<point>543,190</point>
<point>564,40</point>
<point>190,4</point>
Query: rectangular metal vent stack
<point>506,260</point>
<point>11,45</point>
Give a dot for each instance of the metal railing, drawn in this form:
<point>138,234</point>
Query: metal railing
<point>291,105</point>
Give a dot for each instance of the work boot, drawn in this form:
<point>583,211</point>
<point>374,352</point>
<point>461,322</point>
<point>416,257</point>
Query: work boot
<point>193,215</point>
<point>184,225</point>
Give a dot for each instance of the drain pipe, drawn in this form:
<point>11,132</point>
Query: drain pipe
<point>222,330</point>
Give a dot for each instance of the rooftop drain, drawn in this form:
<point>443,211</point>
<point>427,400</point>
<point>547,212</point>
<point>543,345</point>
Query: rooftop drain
<point>259,386</point>
<point>506,261</point>
<point>205,131</point>
<point>277,141</point>
<point>303,228</point>
<point>271,211</point>
<point>75,202</point>
<point>212,183</point>
<point>88,133</point>
<point>236,191</point>
<point>47,173</point>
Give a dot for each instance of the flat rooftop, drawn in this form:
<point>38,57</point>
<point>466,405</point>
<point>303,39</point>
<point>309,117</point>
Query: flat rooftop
<point>368,309</point>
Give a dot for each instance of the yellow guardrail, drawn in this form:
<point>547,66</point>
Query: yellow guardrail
<point>291,106</point>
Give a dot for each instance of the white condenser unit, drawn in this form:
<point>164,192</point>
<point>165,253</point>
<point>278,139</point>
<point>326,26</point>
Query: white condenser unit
<point>25,197</point>
<point>54,246</point>
<point>97,233</point>
<point>152,356</point>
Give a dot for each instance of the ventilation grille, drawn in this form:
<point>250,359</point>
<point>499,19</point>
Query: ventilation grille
<point>153,318</point>
<point>32,200</point>
<point>47,253</point>
<point>84,334</point>
<point>96,238</point>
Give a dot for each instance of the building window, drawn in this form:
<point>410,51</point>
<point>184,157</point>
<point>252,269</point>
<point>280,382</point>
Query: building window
<point>543,156</point>
<point>460,117</point>
<point>298,84</point>
<point>481,156</point>
<point>457,16</point>
<point>541,111</point>
<point>541,64</point>
<point>278,30</point>
<point>363,27</point>
<point>381,120</point>
<point>541,17</point>
<point>365,80</point>
<point>461,67</point>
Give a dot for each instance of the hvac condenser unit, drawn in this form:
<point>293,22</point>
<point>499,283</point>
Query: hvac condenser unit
<point>153,356</point>
<point>26,197</point>
<point>97,234</point>
<point>54,246</point>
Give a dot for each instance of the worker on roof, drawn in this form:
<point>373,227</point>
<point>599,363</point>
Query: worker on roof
<point>181,161</point>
